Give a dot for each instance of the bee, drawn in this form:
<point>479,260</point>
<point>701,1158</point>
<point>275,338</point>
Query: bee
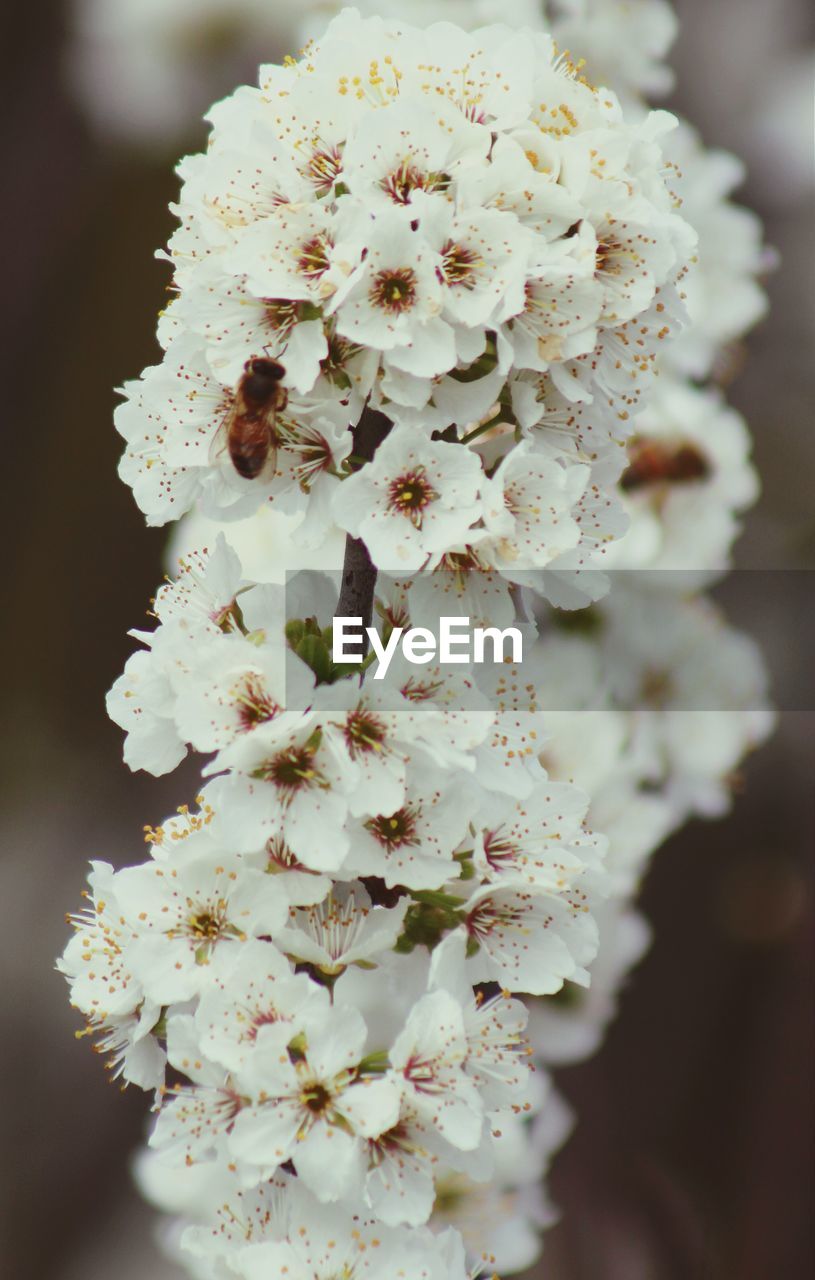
<point>251,435</point>
<point>662,461</point>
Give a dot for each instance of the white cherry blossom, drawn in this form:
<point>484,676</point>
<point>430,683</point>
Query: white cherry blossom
<point>429,1057</point>
<point>414,501</point>
<point>252,989</point>
<point>539,841</point>
<point>187,910</point>
<point>530,941</point>
<point>105,987</point>
<point>497,1050</point>
<point>307,791</point>
<point>308,1105</point>
<point>529,509</point>
<point>344,930</point>
<point>413,843</point>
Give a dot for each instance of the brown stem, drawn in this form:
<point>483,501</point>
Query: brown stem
<point>358,584</point>
<point>359,573</point>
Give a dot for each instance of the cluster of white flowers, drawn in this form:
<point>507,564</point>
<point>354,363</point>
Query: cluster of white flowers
<point>146,70</point>
<point>455,230</point>
<point>326,949</point>
<point>426,284</point>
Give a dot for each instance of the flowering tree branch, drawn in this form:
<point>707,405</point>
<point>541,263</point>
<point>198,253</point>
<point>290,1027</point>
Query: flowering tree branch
<point>482,275</point>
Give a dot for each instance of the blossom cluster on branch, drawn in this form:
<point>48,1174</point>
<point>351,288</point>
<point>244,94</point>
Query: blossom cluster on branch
<point>430,287</point>
<point>449,232</point>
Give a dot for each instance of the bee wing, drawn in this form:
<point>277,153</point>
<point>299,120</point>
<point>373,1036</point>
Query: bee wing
<point>270,467</point>
<point>220,440</point>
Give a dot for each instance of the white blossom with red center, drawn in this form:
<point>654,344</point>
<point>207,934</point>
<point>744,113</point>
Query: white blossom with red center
<point>530,941</point>
<point>412,502</point>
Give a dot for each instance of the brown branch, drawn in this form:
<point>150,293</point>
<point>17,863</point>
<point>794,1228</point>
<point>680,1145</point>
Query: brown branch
<point>356,598</point>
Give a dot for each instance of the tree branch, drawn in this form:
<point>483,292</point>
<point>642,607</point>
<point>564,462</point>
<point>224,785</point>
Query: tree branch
<point>356,598</point>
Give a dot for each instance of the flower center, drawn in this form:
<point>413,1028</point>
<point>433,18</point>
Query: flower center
<point>281,315</point>
<point>316,1098</point>
<point>460,563</point>
<point>363,732</point>
<point>397,830</point>
<point>313,257</point>
<point>205,926</point>
<point>280,858</point>
<point>516,503</point>
<point>421,690</point>
<point>459,265</point>
<point>407,178</point>
<point>607,256</point>
<point>393,1142</point>
<point>340,352</point>
<point>255,705</point>
<point>324,167</point>
<point>208,924</point>
<point>473,111</point>
<point>311,449</point>
<point>292,771</point>
<point>422,1074</point>
<point>410,494</point>
<point>610,255</point>
<point>499,850</point>
<point>489,916</point>
<point>394,290</point>
<point>228,619</point>
<point>402,181</point>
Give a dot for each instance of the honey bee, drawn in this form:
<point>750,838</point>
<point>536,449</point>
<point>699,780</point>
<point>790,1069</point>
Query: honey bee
<point>654,462</point>
<point>251,435</point>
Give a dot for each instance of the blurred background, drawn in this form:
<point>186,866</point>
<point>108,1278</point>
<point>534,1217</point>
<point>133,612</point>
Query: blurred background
<point>693,1151</point>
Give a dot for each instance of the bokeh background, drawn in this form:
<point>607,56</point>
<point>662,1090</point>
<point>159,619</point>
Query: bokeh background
<point>693,1152</point>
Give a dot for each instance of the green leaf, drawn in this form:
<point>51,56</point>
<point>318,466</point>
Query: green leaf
<point>316,655</point>
<point>374,1064</point>
<point>295,631</point>
<point>435,898</point>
